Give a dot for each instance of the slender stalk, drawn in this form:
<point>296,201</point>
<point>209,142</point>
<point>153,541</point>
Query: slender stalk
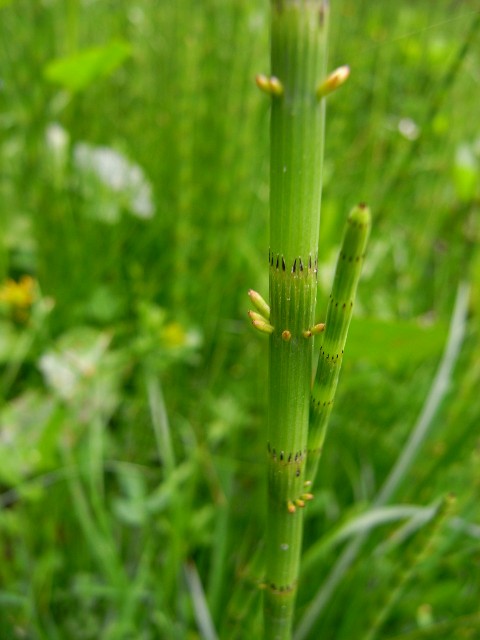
<point>299,30</point>
<point>339,314</point>
<point>422,428</point>
<point>423,546</point>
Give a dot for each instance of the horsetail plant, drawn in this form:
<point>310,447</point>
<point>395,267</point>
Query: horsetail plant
<point>298,85</point>
<point>339,314</point>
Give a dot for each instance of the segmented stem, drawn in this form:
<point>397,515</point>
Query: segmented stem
<point>339,314</point>
<point>297,122</point>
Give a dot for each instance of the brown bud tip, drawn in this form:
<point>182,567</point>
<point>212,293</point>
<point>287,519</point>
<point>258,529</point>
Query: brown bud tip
<point>286,335</point>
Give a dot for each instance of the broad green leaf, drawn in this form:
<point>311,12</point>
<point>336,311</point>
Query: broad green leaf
<point>80,70</point>
<point>394,342</point>
<point>29,428</point>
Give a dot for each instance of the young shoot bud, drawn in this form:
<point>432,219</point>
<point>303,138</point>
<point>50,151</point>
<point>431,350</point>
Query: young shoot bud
<point>256,317</point>
<point>333,81</point>
<point>315,330</point>
<point>318,328</point>
<point>276,87</point>
<point>259,303</point>
<point>271,85</point>
<point>260,323</point>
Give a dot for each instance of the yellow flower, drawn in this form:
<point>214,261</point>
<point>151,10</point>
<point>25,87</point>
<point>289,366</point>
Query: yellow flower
<point>18,296</point>
<point>173,335</point>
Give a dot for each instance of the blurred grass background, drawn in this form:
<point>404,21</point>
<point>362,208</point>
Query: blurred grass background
<point>133,220</point>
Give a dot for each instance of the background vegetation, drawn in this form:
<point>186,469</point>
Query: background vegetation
<point>133,220</point>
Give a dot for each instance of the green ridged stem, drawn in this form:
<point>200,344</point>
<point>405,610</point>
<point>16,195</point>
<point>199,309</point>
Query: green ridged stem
<point>299,34</point>
<point>339,314</point>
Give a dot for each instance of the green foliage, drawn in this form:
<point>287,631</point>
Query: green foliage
<point>131,485</point>
<point>80,70</point>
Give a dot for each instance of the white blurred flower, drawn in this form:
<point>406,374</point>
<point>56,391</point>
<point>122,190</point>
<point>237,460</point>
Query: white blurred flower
<point>56,137</point>
<point>124,180</point>
<point>84,372</point>
<point>68,369</point>
<point>408,128</point>
<point>59,375</point>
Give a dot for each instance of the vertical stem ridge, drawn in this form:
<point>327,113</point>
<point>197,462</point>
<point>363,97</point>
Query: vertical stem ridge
<point>297,126</point>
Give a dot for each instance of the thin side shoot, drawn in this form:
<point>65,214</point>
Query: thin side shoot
<point>339,314</point>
